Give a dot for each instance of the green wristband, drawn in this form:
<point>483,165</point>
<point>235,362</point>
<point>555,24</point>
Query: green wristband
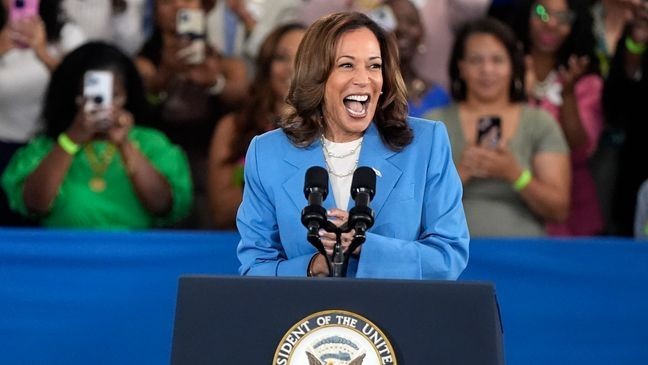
<point>67,144</point>
<point>523,181</point>
<point>635,47</point>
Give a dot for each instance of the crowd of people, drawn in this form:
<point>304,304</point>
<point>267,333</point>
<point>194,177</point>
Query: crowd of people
<point>560,83</point>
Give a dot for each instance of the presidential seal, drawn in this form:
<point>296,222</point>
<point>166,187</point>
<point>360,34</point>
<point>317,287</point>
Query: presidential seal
<point>334,337</point>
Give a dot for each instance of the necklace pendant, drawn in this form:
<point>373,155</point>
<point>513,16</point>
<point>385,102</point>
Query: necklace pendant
<point>97,184</point>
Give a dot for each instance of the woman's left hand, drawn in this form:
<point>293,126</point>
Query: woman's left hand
<point>337,217</point>
<point>122,123</point>
<point>31,33</point>
<point>206,73</point>
<point>576,67</point>
<point>499,163</point>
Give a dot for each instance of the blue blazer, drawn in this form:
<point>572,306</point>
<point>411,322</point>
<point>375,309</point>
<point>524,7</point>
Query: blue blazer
<point>420,229</point>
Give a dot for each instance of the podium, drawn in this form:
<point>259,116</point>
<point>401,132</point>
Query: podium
<point>306,321</point>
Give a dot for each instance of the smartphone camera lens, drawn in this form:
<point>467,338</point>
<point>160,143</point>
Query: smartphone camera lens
<point>97,99</point>
<point>20,4</point>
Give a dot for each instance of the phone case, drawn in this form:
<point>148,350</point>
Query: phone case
<point>98,89</point>
<point>384,17</point>
<point>489,131</point>
<point>190,23</point>
<point>22,9</point>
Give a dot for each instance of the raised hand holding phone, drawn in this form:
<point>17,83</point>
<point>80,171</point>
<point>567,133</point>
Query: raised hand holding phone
<point>28,30</point>
<point>98,97</point>
<point>20,10</point>
<point>190,26</point>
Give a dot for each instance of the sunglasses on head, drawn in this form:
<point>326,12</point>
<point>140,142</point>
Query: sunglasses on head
<point>562,17</point>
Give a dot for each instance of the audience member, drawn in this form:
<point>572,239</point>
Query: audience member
<point>191,93</point>
<point>116,21</point>
<point>624,98</point>
<point>92,167</point>
<point>610,17</point>
<point>233,134</point>
<point>236,28</point>
<point>562,78</point>
<point>29,49</point>
<point>422,95</point>
<point>518,181</point>
<point>441,19</point>
<point>641,218</point>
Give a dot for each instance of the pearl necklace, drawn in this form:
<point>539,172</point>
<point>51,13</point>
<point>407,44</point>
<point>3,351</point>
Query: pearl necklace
<point>328,155</point>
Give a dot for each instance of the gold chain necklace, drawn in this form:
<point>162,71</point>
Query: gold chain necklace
<point>99,164</point>
<point>328,154</point>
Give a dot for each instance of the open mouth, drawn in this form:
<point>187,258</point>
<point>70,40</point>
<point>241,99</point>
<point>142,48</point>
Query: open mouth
<point>356,105</point>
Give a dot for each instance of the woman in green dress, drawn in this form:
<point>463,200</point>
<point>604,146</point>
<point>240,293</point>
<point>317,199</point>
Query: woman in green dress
<point>93,167</point>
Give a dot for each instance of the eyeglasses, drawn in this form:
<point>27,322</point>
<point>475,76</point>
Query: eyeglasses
<point>561,17</point>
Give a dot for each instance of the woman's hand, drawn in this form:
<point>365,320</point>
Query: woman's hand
<point>468,166</point>
<point>123,122</point>
<point>173,57</point>
<point>576,67</point>
<point>639,32</point>
<point>30,32</point>
<point>337,217</point>
<point>494,164</point>
<point>206,73</point>
<point>88,122</point>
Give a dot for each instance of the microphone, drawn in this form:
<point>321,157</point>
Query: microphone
<point>315,190</point>
<point>363,189</point>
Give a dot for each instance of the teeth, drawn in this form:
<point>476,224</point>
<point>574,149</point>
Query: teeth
<point>361,98</point>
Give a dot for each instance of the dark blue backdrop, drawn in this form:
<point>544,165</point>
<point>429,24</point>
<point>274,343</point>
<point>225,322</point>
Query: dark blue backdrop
<point>109,298</point>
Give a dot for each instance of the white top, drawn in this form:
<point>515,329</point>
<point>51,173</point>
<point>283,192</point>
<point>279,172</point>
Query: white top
<point>23,81</point>
<point>341,162</point>
<point>268,14</point>
<point>95,18</point>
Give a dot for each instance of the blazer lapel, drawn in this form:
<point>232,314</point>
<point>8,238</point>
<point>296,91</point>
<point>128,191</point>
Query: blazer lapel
<point>299,161</point>
<point>376,155</point>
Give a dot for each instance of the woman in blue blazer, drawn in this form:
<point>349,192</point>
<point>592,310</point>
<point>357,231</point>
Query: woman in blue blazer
<point>348,108</point>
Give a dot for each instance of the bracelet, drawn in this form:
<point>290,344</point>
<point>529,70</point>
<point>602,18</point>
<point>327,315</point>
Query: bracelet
<point>523,181</point>
<point>67,144</point>
<point>634,47</point>
<point>309,271</point>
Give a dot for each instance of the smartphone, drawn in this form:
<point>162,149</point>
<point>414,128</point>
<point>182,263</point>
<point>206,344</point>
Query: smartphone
<point>190,24</point>
<point>489,131</point>
<point>384,17</point>
<point>98,89</point>
<point>22,9</point>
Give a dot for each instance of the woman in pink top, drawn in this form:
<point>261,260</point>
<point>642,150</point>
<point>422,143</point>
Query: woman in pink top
<point>562,79</point>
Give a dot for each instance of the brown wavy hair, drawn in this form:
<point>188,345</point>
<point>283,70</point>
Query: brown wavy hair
<point>303,121</point>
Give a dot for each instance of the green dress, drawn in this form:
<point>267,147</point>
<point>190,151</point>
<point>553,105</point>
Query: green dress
<point>111,202</point>
<point>492,207</point>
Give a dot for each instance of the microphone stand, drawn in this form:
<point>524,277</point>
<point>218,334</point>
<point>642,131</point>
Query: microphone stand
<point>338,262</point>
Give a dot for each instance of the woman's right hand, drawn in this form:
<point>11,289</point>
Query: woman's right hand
<point>639,32</point>
<point>468,166</point>
<point>89,122</point>
<point>172,60</point>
